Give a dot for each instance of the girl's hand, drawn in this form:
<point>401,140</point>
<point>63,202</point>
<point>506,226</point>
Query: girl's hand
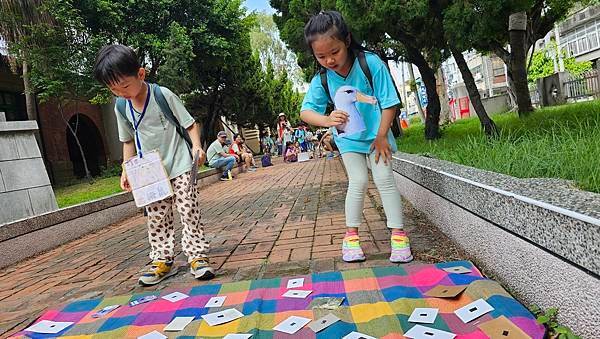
<point>382,149</point>
<point>337,118</point>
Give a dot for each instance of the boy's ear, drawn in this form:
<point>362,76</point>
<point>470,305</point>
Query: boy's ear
<point>142,73</point>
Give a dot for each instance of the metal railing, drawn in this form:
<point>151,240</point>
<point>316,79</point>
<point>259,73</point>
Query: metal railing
<point>583,87</point>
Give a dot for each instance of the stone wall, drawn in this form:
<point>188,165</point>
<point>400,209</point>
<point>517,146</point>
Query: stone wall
<point>539,237</point>
<point>25,188</point>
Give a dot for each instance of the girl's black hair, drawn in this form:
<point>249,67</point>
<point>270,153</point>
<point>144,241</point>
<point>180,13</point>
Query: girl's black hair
<point>115,62</point>
<point>235,136</point>
<point>330,23</point>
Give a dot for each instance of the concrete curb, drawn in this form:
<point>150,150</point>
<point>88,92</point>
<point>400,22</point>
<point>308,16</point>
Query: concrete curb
<point>24,238</point>
<point>545,254</point>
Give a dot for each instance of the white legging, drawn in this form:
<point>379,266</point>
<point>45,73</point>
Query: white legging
<point>358,181</point>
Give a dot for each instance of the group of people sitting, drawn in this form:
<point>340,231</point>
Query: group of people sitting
<point>223,153</point>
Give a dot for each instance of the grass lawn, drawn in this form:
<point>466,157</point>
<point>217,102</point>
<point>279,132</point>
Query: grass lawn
<point>554,142</point>
<point>83,191</point>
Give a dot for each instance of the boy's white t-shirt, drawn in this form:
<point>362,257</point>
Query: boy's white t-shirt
<point>157,133</point>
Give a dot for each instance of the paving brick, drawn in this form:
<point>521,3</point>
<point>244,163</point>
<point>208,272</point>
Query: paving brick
<point>284,220</point>
<point>300,254</point>
<point>291,234</point>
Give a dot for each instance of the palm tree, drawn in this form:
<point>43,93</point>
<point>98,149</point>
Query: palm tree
<point>16,17</point>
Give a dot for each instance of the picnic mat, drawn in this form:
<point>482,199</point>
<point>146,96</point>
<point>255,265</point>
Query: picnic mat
<point>377,302</point>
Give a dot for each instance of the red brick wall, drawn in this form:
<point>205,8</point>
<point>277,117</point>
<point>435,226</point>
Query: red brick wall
<point>54,128</point>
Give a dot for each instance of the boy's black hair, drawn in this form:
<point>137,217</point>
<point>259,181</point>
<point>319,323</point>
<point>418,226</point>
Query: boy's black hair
<point>330,23</point>
<point>115,62</point>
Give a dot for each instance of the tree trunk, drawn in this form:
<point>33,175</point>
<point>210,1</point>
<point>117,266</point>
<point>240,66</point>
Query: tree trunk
<point>411,74</point>
<point>443,93</point>
<point>518,61</point>
<point>88,174</point>
<point>432,118</point>
<point>29,95</point>
<point>488,125</point>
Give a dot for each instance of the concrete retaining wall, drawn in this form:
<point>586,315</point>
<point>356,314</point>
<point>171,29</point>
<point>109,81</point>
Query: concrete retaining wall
<point>24,238</point>
<point>540,238</point>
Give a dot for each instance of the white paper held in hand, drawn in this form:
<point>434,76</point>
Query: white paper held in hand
<point>175,296</point>
<point>291,325</point>
<point>50,327</point>
<point>178,324</point>
<point>148,179</point>
<point>222,317</point>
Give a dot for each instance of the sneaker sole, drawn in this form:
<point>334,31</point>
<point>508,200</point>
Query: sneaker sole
<point>204,274</point>
<point>170,274</point>
<point>402,261</point>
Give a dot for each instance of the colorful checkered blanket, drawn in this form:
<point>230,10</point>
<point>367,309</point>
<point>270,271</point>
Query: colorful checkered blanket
<point>377,302</point>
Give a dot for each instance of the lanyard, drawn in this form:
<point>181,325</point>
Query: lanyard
<point>138,144</point>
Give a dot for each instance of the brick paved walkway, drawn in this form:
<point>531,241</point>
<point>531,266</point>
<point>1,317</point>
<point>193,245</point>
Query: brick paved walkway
<point>283,220</point>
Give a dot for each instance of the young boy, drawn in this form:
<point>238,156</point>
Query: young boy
<point>118,68</point>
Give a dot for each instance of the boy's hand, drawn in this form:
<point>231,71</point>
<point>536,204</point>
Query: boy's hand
<point>382,149</point>
<point>337,118</point>
<point>201,155</point>
<point>125,183</point>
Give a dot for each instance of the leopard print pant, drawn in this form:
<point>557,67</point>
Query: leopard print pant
<point>161,231</point>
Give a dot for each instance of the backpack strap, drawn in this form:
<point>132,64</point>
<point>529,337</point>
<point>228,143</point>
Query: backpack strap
<point>362,61</point>
<point>121,104</point>
<point>323,75</point>
<point>160,99</point>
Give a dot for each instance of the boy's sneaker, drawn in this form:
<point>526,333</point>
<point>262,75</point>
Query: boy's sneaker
<point>158,271</point>
<point>400,248</point>
<point>226,176</point>
<point>201,269</point>
<point>252,169</point>
<point>351,251</point>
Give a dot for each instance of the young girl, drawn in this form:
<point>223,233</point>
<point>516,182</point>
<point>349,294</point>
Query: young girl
<point>336,51</point>
<point>291,152</point>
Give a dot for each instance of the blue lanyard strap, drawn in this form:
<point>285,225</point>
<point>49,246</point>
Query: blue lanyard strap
<point>138,144</point>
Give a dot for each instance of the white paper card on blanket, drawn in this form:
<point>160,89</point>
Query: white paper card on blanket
<point>303,156</point>
<point>49,327</point>
<point>222,317</point>
<point>178,324</point>
<point>295,283</point>
<point>422,332</point>
<point>457,269</point>
<point>238,336</point>
<point>358,335</point>
<point>300,294</point>
<point>153,335</point>
<point>292,324</point>
<point>473,310</point>
<point>215,301</point>
<point>148,179</point>
<point>175,296</point>
<point>323,322</point>
<point>423,315</point>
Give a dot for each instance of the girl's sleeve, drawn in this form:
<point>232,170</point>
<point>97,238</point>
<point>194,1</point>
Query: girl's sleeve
<point>385,89</point>
<point>315,99</point>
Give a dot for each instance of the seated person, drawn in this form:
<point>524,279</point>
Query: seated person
<point>329,143</point>
<point>242,156</point>
<point>219,158</point>
<point>291,152</point>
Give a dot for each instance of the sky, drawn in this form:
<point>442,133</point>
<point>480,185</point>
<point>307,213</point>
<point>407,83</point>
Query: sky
<point>259,5</point>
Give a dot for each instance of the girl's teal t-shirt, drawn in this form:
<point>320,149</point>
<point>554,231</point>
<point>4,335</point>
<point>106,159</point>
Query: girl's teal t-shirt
<point>316,100</point>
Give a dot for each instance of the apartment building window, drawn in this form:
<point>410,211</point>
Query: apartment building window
<point>582,39</point>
